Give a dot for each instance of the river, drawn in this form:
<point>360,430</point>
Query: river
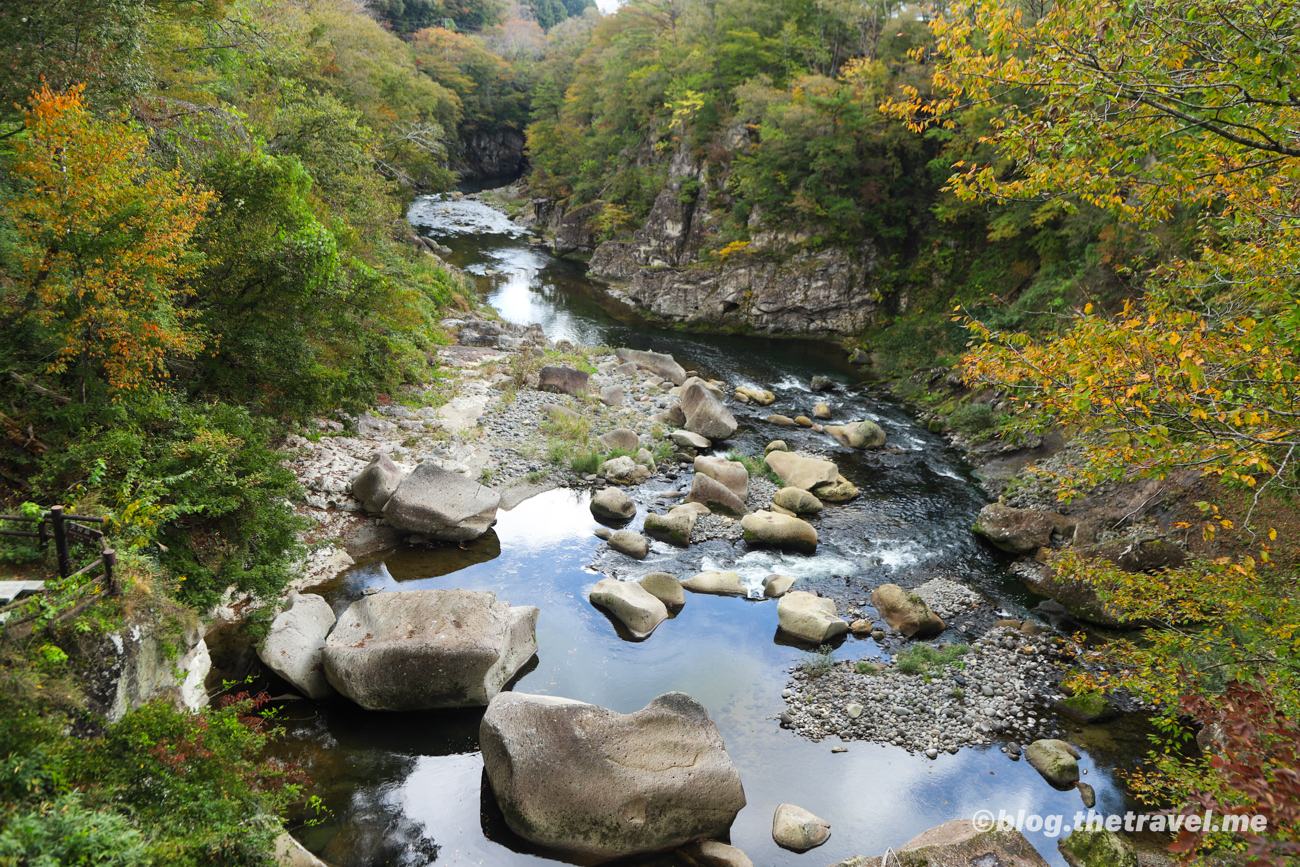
<point>409,789</point>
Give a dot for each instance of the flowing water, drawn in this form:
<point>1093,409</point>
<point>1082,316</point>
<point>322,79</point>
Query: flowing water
<point>409,788</point>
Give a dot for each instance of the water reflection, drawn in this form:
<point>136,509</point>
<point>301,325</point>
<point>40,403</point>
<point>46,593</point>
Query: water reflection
<point>393,778</point>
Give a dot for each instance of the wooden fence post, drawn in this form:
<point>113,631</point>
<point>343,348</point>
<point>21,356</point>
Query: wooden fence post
<point>61,541</point>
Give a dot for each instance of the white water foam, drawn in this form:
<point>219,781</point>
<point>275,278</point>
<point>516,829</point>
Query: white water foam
<point>754,566</point>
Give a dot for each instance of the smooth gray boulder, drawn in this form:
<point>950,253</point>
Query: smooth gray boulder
<point>858,434</point>
<point>631,543</point>
<point>440,504</point>
<point>562,380</point>
<point>717,583</point>
<point>687,440</point>
<point>597,785</point>
<point>611,504</point>
<point>619,469</point>
<point>376,482</point>
<point>1056,760</point>
<point>658,363</point>
<point>779,531</point>
<point>704,412</point>
<point>620,438</point>
<point>720,499</point>
<point>675,528</point>
<point>293,648</point>
<point>711,853</point>
<point>776,586</point>
<point>612,395</point>
<point>798,500</point>
<point>797,829</point>
<point>802,472</point>
<point>666,588</point>
<point>730,473</point>
<point>422,649</point>
<point>958,844</point>
<point>809,617</point>
<point>906,612</point>
<point>638,609</point>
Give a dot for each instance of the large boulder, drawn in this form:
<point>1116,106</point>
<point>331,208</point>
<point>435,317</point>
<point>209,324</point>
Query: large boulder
<point>707,491</point>
<point>1137,555</point>
<point>1056,760</point>
<point>839,491</point>
<point>716,583</point>
<point>1096,847</point>
<point>797,500</point>
<point>1080,597</point>
<point>612,395</point>
<point>638,609</point>
<point>906,612</point>
<point>675,528</point>
<point>958,843</point>
<point>293,646</point>
<point>611,504</point>
<point>858,434</point>
<point>1019,531</point>
<point>810,618</point>
<point>658,363</point>
<point>376,482</point>
<point>800,471</point>
<point>620,438</point>
<point>666,588</point>
<point>597,785</point>
<point>705,414</point>
<point>440,504</point>
<point>797,829</point>
<point>421,649</point>
<point>621,469</point>
<point>779,531</point>
<point>687,440</point>
<point>562,380</point>
<point>730,473</point>
<point>631,543</point>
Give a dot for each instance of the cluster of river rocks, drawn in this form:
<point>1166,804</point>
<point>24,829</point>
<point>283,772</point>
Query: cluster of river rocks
<point>570,776</point>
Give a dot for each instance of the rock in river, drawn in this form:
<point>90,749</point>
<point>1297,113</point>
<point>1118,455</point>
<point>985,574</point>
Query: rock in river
<point>686,439</point>
<point>798,500</point>
<point>801,472</point>
<point>666,588</point>
<point>638,609</point>
<point>598,785</point>
<point>809,618</point>
<point>906,612</point>
<point>718,583</point>
<point>797,829</point>
<point>631,543</point>
<point>705,414</point>
<point>376,482</point>
<point>675,528</point>
<point>779,531</point>
<point>720,499</point>
<point>958,844</point>
<point>858,434</point>
<point>420,649</point>
<point>1056,760</point>
<point>1096,847</point>
<point>440,504</point>
<point>293,646</point>
<point>611,504</point>
<point>730,473</point>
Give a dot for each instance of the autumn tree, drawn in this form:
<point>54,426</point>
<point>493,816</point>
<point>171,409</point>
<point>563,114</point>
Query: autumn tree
<point>1178,114</point>
<point>106,237</point>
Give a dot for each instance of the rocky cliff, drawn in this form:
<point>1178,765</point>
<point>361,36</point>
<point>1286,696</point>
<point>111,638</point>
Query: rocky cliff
<point>498,154</point>
<point>776,285</point>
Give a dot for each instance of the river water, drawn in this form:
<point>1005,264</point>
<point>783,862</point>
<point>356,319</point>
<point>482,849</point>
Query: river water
<point>409,789</point>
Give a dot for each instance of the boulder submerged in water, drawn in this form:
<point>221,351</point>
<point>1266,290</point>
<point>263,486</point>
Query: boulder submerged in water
<point>797,829</point>
<point>638,609</point>
<point>422,649</point>
<point>439,504</point>
<point>779,531</point>
<point>809,618</point>
<point>597,785</point>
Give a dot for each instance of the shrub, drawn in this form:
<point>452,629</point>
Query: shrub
<point>973,417</point>
<point>818,662</point>
<point>65,832</point>
<point>926,659</point>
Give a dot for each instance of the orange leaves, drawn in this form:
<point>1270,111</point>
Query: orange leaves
<point>106,236</point>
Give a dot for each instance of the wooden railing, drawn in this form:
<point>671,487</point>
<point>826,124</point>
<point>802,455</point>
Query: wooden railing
<point>66,530</point>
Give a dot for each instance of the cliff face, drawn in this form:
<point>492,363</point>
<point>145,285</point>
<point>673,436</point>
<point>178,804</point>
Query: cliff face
<point>767,288</point>
<point>499,154</point>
